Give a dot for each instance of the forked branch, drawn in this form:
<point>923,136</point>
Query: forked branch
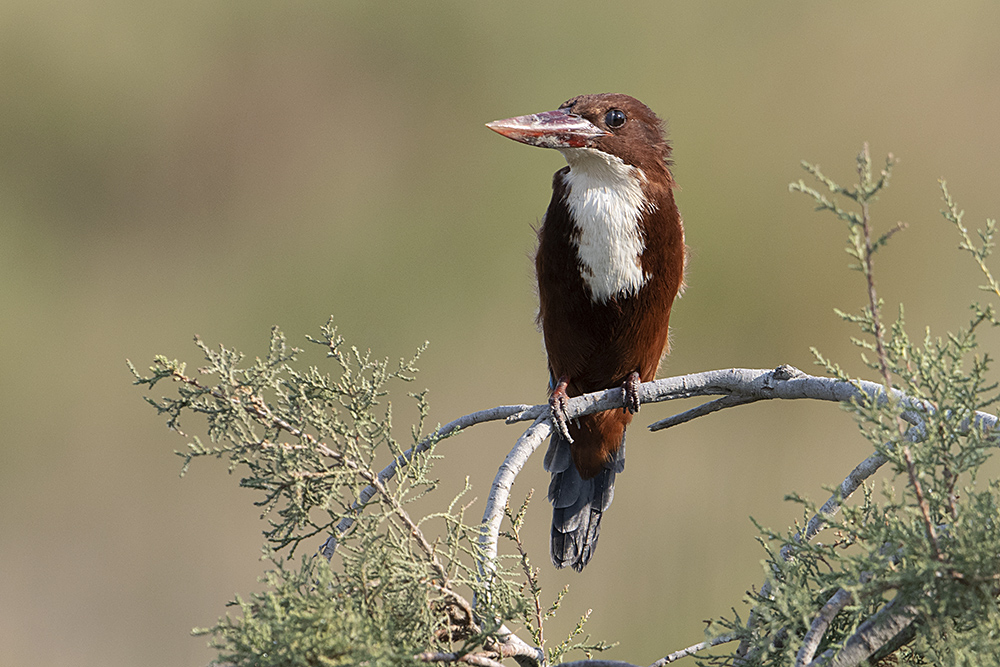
<point>736,387</point>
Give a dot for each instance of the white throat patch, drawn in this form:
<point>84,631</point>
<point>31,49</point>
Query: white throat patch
<point>606,200</point>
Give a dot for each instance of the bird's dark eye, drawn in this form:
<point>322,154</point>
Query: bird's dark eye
<point>615,118</point>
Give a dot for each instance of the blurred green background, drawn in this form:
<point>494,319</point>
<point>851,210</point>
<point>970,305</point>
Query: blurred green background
<point>218,167</point>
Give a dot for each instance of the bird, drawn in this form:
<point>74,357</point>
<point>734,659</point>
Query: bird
<point>611,259</point>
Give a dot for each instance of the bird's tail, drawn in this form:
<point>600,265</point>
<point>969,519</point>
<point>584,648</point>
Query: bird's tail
<point>577,503</point>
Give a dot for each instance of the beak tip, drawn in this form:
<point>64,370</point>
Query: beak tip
<point>505,129</point>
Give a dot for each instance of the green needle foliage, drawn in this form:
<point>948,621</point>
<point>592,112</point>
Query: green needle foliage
<point>315,447</point>
<point>914,566</point>
<point>906,573</point>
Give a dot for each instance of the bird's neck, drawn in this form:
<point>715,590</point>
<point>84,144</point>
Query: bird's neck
<point>606,203</point>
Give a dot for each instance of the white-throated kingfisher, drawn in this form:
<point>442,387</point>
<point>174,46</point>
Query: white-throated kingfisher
<point>610,261</point>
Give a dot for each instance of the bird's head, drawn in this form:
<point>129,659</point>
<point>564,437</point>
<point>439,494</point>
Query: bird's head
<point>610,123</point>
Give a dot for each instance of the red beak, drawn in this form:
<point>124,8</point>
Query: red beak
<point>551,129</point>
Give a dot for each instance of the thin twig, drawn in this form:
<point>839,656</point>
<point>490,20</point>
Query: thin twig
<point>702,410</point>
<point>864,173</point>
<point>925,512</point>
<point>387,473</point>
<point>851,483</point>
<point>691,650</point>
<point>530,576</point>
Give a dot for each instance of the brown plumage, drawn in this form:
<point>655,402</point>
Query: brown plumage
<point>610,261</point>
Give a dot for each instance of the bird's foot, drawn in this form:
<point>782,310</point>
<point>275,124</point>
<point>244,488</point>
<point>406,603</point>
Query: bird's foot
<point>557,406</point>
<point>631,391</point>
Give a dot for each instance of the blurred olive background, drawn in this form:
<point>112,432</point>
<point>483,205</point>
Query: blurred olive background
<point>215,168</point>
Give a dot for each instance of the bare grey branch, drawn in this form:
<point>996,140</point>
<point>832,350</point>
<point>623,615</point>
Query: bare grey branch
<point>811,641</point>
<point>691,650</point>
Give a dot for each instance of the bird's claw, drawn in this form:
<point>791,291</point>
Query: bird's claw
<point>631,390</point>
<point>557,407</point>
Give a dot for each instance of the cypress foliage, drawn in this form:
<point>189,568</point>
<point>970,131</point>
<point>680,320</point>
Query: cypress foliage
<point>904,573</point>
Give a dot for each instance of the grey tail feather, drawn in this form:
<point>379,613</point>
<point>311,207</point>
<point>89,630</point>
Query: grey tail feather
<point>577,503</point>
